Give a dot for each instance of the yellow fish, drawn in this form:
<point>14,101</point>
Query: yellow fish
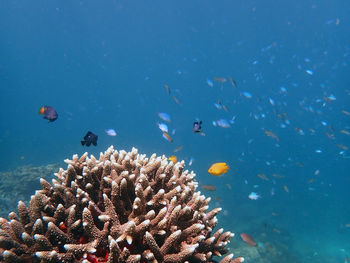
<point>173,158</point>
<point>218,169</point>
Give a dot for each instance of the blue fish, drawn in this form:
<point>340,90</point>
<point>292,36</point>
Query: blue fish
<point>223,123</point>
<point>210,83</point>
<point>164,116</point>
<point>218,106</point>
<point>310,72</point>
<point>163,127</point>
<point>247,94</point>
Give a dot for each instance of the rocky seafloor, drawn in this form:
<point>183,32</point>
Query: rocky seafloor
<point>21,183</point>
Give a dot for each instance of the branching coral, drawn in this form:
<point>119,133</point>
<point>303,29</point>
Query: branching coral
<point>122,207</point>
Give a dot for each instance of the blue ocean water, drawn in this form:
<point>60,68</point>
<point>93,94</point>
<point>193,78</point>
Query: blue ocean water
<point>105,64</point>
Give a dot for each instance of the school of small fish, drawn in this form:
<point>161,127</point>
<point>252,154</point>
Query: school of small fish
<point>274,123</point>
<point>266,109</point>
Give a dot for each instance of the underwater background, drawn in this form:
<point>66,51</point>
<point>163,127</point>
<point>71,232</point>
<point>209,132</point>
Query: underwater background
<point>276,72</point>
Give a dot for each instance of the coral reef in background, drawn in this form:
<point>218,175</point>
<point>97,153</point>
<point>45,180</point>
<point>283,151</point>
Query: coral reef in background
<point>122,207</point>
<point>18,184</point>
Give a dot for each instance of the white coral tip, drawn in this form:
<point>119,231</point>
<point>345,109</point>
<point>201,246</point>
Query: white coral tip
<point>129,239</point>
<point>91,250</point>
<point>104,218</point>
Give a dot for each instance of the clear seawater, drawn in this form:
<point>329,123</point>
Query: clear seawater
<point>104,64</point>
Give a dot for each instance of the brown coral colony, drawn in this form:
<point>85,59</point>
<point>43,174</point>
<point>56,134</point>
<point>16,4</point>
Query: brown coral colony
<point>122,207</point>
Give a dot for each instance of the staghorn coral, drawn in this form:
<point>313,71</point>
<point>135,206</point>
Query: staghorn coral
<point>123,207</point>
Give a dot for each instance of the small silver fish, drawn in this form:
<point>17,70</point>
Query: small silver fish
<point>164,116</point>
<point>111,132</point>
<point>223,123</point>
<point>163,127</point>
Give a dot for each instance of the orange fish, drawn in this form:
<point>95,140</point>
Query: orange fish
<point>209,187</point>
<point>248,239</point>
<point>272,135</point>
<point>220,79</point>
<point>218,169</point>
<point>286,188</point>
<point>264,177</point>
<point>173,158</point>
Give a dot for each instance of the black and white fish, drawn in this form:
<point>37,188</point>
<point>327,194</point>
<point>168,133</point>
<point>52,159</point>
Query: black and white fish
<point>89,139</point>
<point>197,126</point>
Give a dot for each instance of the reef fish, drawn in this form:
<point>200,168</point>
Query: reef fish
<point>167,136</point>
<point>263,176</point>
<point>173,158</point>
<point>220,79</point>
<point>49,113</point>
<point>164,116</point>
<point>209,187</point>
<point>248,239</point>
<point>177,100</point>
<point>167,88</point>
<point>111,132</point>
<point>163,127</point>
<point>218,169</point>
<point>233,82</point>
<point>253,196</point>
<point>272,135</point>
<point>223,123</point>
<point>210,83</point>
<point>197,126</point>
<point>346,112</point>
<point>247,94</point>
<point>89,139</point>
<point>178,149</point>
